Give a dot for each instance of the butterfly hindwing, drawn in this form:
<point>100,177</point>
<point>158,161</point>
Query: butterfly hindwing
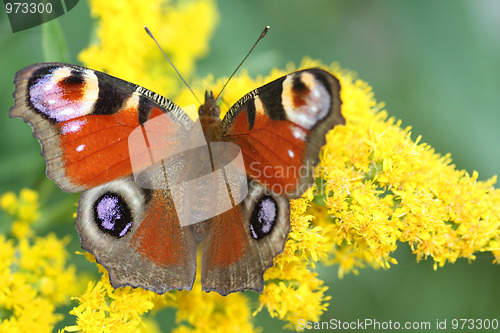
<point>243,241</point>
<point>136,235</point>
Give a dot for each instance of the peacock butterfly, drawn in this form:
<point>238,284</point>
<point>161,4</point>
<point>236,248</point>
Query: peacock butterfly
<point>83,120</point>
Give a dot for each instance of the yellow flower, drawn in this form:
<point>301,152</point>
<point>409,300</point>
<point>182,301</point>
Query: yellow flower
<point>198,311</point>
<point>8,202</point>
<point>105,309</point>
<point>24,209</point>
<point>101,307</point>
<point>34,276</point>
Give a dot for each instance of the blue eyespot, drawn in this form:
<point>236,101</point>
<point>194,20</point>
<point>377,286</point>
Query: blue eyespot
<point>112,214</point>
<point>263,217</point>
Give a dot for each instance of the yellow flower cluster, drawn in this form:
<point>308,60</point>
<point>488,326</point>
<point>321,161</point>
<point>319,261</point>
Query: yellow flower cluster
<point>382,187</point>
<point>25,209</point>
<point>34,274</point>
<point>200,312</point>
<point>123,49</point>
<point>105,309</point>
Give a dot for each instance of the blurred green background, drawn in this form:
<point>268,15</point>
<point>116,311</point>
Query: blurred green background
<point>436,64</point>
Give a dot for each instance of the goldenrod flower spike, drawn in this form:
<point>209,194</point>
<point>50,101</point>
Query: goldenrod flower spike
<point>35,277</point>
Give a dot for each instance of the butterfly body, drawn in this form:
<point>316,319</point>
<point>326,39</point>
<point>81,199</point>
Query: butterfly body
<point>91,127</point>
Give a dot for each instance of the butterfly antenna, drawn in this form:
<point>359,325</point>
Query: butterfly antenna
<point>171,63</point>
<point>264,32</point>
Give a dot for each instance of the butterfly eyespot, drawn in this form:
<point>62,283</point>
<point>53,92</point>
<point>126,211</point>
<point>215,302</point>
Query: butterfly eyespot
<point>263,217</point>
<point>112,214</point>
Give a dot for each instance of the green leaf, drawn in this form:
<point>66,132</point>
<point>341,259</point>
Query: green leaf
<point>54,45</point>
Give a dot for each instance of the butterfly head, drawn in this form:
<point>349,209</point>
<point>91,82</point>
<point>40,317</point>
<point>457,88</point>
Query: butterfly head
<point>209,109</point>
<point>209,118</point>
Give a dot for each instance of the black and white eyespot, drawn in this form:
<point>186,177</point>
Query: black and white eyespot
<point>263,217</point>
<point>110,211</point>
<point>112,214</point>
<point>306,99</point>
<point>63,93</point>
<point>267,213</point>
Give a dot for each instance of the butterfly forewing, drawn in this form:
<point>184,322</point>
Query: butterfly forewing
<point>281,127</point>
<point>83,118</point>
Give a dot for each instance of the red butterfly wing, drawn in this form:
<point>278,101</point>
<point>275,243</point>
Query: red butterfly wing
<point>136,235</point>
<point>83,119</point>
<point>281,126</point>
<point>243,241</point>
